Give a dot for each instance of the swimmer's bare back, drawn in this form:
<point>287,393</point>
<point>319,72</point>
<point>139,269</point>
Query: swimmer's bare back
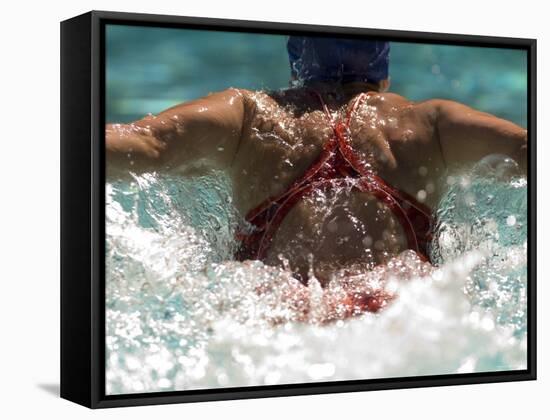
<point>266,140</point>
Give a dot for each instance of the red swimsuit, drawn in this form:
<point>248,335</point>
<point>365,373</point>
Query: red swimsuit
<point>336,163</point>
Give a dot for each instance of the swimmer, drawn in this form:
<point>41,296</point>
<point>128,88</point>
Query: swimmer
<point>332,173</point>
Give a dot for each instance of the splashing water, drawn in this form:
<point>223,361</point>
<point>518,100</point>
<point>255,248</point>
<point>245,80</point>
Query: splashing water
<point>486,210</point>
<point>181,314</point>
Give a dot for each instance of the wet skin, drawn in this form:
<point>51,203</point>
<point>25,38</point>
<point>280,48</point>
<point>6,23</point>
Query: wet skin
<point>266,140</point>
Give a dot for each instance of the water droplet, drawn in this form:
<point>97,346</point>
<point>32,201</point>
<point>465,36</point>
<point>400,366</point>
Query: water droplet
<point>421,195</point>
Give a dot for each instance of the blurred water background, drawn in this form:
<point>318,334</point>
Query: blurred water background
<point>150,69</point>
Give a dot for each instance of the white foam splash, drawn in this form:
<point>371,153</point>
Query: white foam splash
<point>182,315</point>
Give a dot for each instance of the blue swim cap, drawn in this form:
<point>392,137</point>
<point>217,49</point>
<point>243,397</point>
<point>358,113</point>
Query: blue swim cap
<point>337,59</point>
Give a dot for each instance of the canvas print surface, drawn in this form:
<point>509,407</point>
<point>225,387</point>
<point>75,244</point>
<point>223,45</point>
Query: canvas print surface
<point>297,209</point>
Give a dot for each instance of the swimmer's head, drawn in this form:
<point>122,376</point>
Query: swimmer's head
<point>338,60</point>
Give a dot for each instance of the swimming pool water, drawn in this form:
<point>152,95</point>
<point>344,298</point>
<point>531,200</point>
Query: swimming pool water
<point>151,69</point>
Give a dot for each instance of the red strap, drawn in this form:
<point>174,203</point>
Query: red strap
<point>326,153</point>
<point>268,215</point>
<point>377,186</point>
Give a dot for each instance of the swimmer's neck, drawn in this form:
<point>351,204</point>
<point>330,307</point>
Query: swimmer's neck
<point>344,90</point>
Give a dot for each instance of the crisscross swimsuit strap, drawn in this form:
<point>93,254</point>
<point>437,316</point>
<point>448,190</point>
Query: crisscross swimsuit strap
<point>335,165</point>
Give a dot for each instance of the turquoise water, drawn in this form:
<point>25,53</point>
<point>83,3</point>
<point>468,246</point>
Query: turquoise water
<point>180,314</point>
<point>150,69</point>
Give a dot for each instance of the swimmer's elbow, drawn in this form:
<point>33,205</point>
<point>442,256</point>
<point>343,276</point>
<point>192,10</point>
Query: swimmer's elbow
<point>206,131</point>
<point>133,147</point>
<point>467,135</point>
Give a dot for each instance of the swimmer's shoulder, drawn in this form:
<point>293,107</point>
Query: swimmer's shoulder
<point>236,96</point>
<point>255,100</point>
<point>275,104</point>
<point>251,95</point>
<point>387,99</point>
<point>401,107</point>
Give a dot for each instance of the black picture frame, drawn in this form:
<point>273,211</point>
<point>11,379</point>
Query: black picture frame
<point>83,210</point>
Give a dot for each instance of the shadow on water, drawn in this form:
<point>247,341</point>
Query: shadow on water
<point>52,389</point>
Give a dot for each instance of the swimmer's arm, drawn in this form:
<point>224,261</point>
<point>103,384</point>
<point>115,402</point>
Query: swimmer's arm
<point>204,131</point>
<point>467,135</point>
